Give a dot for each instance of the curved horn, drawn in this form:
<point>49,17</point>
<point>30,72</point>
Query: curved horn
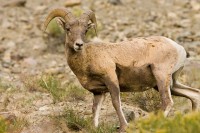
<point>90,16</point>
<point>59,12</point>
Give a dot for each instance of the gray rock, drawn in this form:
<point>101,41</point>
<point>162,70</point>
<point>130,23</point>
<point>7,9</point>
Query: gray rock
<point>30,62</point>
<point>7,24</point>
<point>44,108</point>
<point>115,2</point>
<point>71,3</point>
<point>57,70</point>
<point>15,3</point>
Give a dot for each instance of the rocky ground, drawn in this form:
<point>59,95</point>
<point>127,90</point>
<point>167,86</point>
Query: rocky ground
<point>26,51</point>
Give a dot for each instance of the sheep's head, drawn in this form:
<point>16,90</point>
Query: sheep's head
<point>76,28</point>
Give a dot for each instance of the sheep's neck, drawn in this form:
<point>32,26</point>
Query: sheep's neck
<point>76,61</point>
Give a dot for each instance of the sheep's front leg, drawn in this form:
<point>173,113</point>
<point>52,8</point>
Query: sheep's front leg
<point>97,102</point>
<point>163,82</point>
<point>113,86</point>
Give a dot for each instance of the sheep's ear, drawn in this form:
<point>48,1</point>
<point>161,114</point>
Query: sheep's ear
<point>61,23</point>
<point>90,25</point>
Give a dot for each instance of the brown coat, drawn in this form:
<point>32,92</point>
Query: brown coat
<point>132,61</point>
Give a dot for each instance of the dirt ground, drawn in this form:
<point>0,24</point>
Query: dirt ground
<point>26,50</point>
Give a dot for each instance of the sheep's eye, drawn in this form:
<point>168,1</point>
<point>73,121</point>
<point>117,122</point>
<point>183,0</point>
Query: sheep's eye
<point>68,29</point>
<point>86,31</point>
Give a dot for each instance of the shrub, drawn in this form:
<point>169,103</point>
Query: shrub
<point>189,123</point>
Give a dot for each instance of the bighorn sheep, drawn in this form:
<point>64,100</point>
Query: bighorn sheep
<point>136,65</point>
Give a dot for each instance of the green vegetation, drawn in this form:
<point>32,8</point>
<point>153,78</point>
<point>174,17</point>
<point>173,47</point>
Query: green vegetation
<point>61,92</point>
<point>52,85</point>
<point>76,122</point>
<point>189,123</point>
<point>12,126</point>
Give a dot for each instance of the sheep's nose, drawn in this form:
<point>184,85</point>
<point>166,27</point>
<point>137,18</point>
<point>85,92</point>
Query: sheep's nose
<point>79,44</point>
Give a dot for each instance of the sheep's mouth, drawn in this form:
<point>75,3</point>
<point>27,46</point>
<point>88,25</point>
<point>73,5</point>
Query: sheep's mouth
<point>78,49</point>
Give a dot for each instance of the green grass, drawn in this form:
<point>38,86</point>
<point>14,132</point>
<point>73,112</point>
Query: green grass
<point>76,122</point>
<point>52,86</point>
<point>12,126</point>
<point>61,92</point>
<point>189,123</point>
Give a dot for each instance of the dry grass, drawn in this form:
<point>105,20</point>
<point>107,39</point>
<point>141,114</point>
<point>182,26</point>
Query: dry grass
<point>31,83</point>
<point>192,77</point>
<point>148,100</point>
<point>3,86</point>
<point>76,122</point>
<point>75,92</point>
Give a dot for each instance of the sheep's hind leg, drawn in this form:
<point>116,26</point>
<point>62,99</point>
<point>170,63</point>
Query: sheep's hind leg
<point>192,95</point>
<point>177,84</point>
<point>179,89</point>
<point>97,102</point>
<point>182,86</point>
<point>163,83</point>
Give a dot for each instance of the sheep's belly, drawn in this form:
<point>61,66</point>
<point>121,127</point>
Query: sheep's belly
<point>94,85</point>
<point>136,79</point>
<point>134,88</point>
